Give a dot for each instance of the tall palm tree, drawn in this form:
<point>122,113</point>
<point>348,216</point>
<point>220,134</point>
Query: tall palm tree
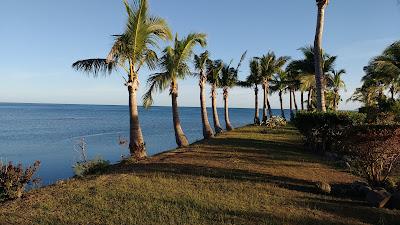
<point>131,51</point>
<point>319,73</point>
<point>214,69</point>
<point>336,83</point>
<point>252,81</point>
<point>174,66</point>
<point>200,62</point>
<point>229,79</point>
<point>280,85</point>
<point>305,69</point>
<point>389,65</point>
<point>270,65</point>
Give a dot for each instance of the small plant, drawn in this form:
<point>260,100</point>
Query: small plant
<point>14,179</point>
<point>90,167</point>
<point>84,166</point>
<point>375,150</point>
<point>276,122</point>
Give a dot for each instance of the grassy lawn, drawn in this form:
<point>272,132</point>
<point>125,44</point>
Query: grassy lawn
<point>248,176</point>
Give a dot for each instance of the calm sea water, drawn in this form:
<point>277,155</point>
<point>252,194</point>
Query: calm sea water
<point>48,132</point>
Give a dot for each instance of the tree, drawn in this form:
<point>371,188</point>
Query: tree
<point>131,51</point>
<point>252,81</point>
<point>214,69</point>
<point>318,55</point>
<point>270,65</point>
<point>174,66</point>
<point>200,62</point>
<point>336,83</point>
<point>229,79</point>
<point>280,85</point>
<point>305,69</point>
<point>389,66</point>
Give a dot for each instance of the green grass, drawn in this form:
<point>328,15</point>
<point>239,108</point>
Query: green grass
<point>248,176</point>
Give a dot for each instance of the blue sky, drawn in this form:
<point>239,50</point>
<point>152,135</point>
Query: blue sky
<point>41,39</point>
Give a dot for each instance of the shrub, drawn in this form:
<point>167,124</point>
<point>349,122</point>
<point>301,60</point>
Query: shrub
<point>90,167</point>
<point>374,149</point>
<point>14,179</point>
<point>319,127</point>
<point>275,122</point>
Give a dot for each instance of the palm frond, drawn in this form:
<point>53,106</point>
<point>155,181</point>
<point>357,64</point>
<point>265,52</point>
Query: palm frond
<point>94,66</point>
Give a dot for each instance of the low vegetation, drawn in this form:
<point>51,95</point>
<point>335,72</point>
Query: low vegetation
<point>252,175</point>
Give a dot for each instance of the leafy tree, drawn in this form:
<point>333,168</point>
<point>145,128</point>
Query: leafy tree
<point>200,62</point>
<point>229,79</point>
<point>214,69</point>
<point>280,85</point>
<point>131,51</point>
<point>174,66</point>
<point>336,83</point>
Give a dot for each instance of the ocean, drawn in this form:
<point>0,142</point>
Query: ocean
<point>50,132</point>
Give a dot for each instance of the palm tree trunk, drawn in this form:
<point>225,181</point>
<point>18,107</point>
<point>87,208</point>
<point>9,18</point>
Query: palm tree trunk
<point>302,100</point>
<point>291,104</point>
<point>217,125</point>
<point>207,131</point>
<point>281,101</point>
<point>257,111</point>
<point>266,84</point>
<point>319,76</point>
<point>335,100</point>
<point>392,89</point>
<point>227,121</point>
<point>264,116</point>
<point>309,103</point>
<point>136,143</point>
<point>295,102</point>
<point>180,137</point>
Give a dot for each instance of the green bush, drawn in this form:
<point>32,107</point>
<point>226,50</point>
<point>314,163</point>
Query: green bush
<point>319,127</point>
<point>276,122</point>
<point>374,149</point>
<point>90,167</point>
<point>14,179</point>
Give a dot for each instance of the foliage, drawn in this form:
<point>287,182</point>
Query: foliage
<point>318,127</point>
<point>89,167</point>
<point>173,65</point>
<point>375,150</point>
<point>13,179</point>
<point>276,122</point>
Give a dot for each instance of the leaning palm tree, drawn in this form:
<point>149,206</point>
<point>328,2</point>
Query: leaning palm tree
<point>252,81</point>
<point>280,85</point>
<point>229,79</point>
<point>270,65</point>
<point>131,51</point>
<point>319,73</point>
<point>389,66</point>
<point>214,69</point>
<point>174,66</point>
<point>200,62</point>
<point>336,83</point>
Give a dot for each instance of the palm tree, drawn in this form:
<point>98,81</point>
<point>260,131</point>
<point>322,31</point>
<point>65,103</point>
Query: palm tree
<point>214,69</point>
<point>318,55</point>
<point>389,65</point>
<point>270,65</point>
<point>229,79</point>
<point>280,85</point>
<point>305,69</point>
<point>131,51</point>
<point>252,81</point>
<point>336,83</point>
<point>174,67</point>
<point>200,62</point>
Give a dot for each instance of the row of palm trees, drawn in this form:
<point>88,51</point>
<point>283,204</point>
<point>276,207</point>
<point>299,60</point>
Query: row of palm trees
<point>382,76</point>
<point>282,75</point>
<point>136,48</point>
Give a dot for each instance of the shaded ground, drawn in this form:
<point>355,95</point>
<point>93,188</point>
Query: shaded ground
<point>242,177</point>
